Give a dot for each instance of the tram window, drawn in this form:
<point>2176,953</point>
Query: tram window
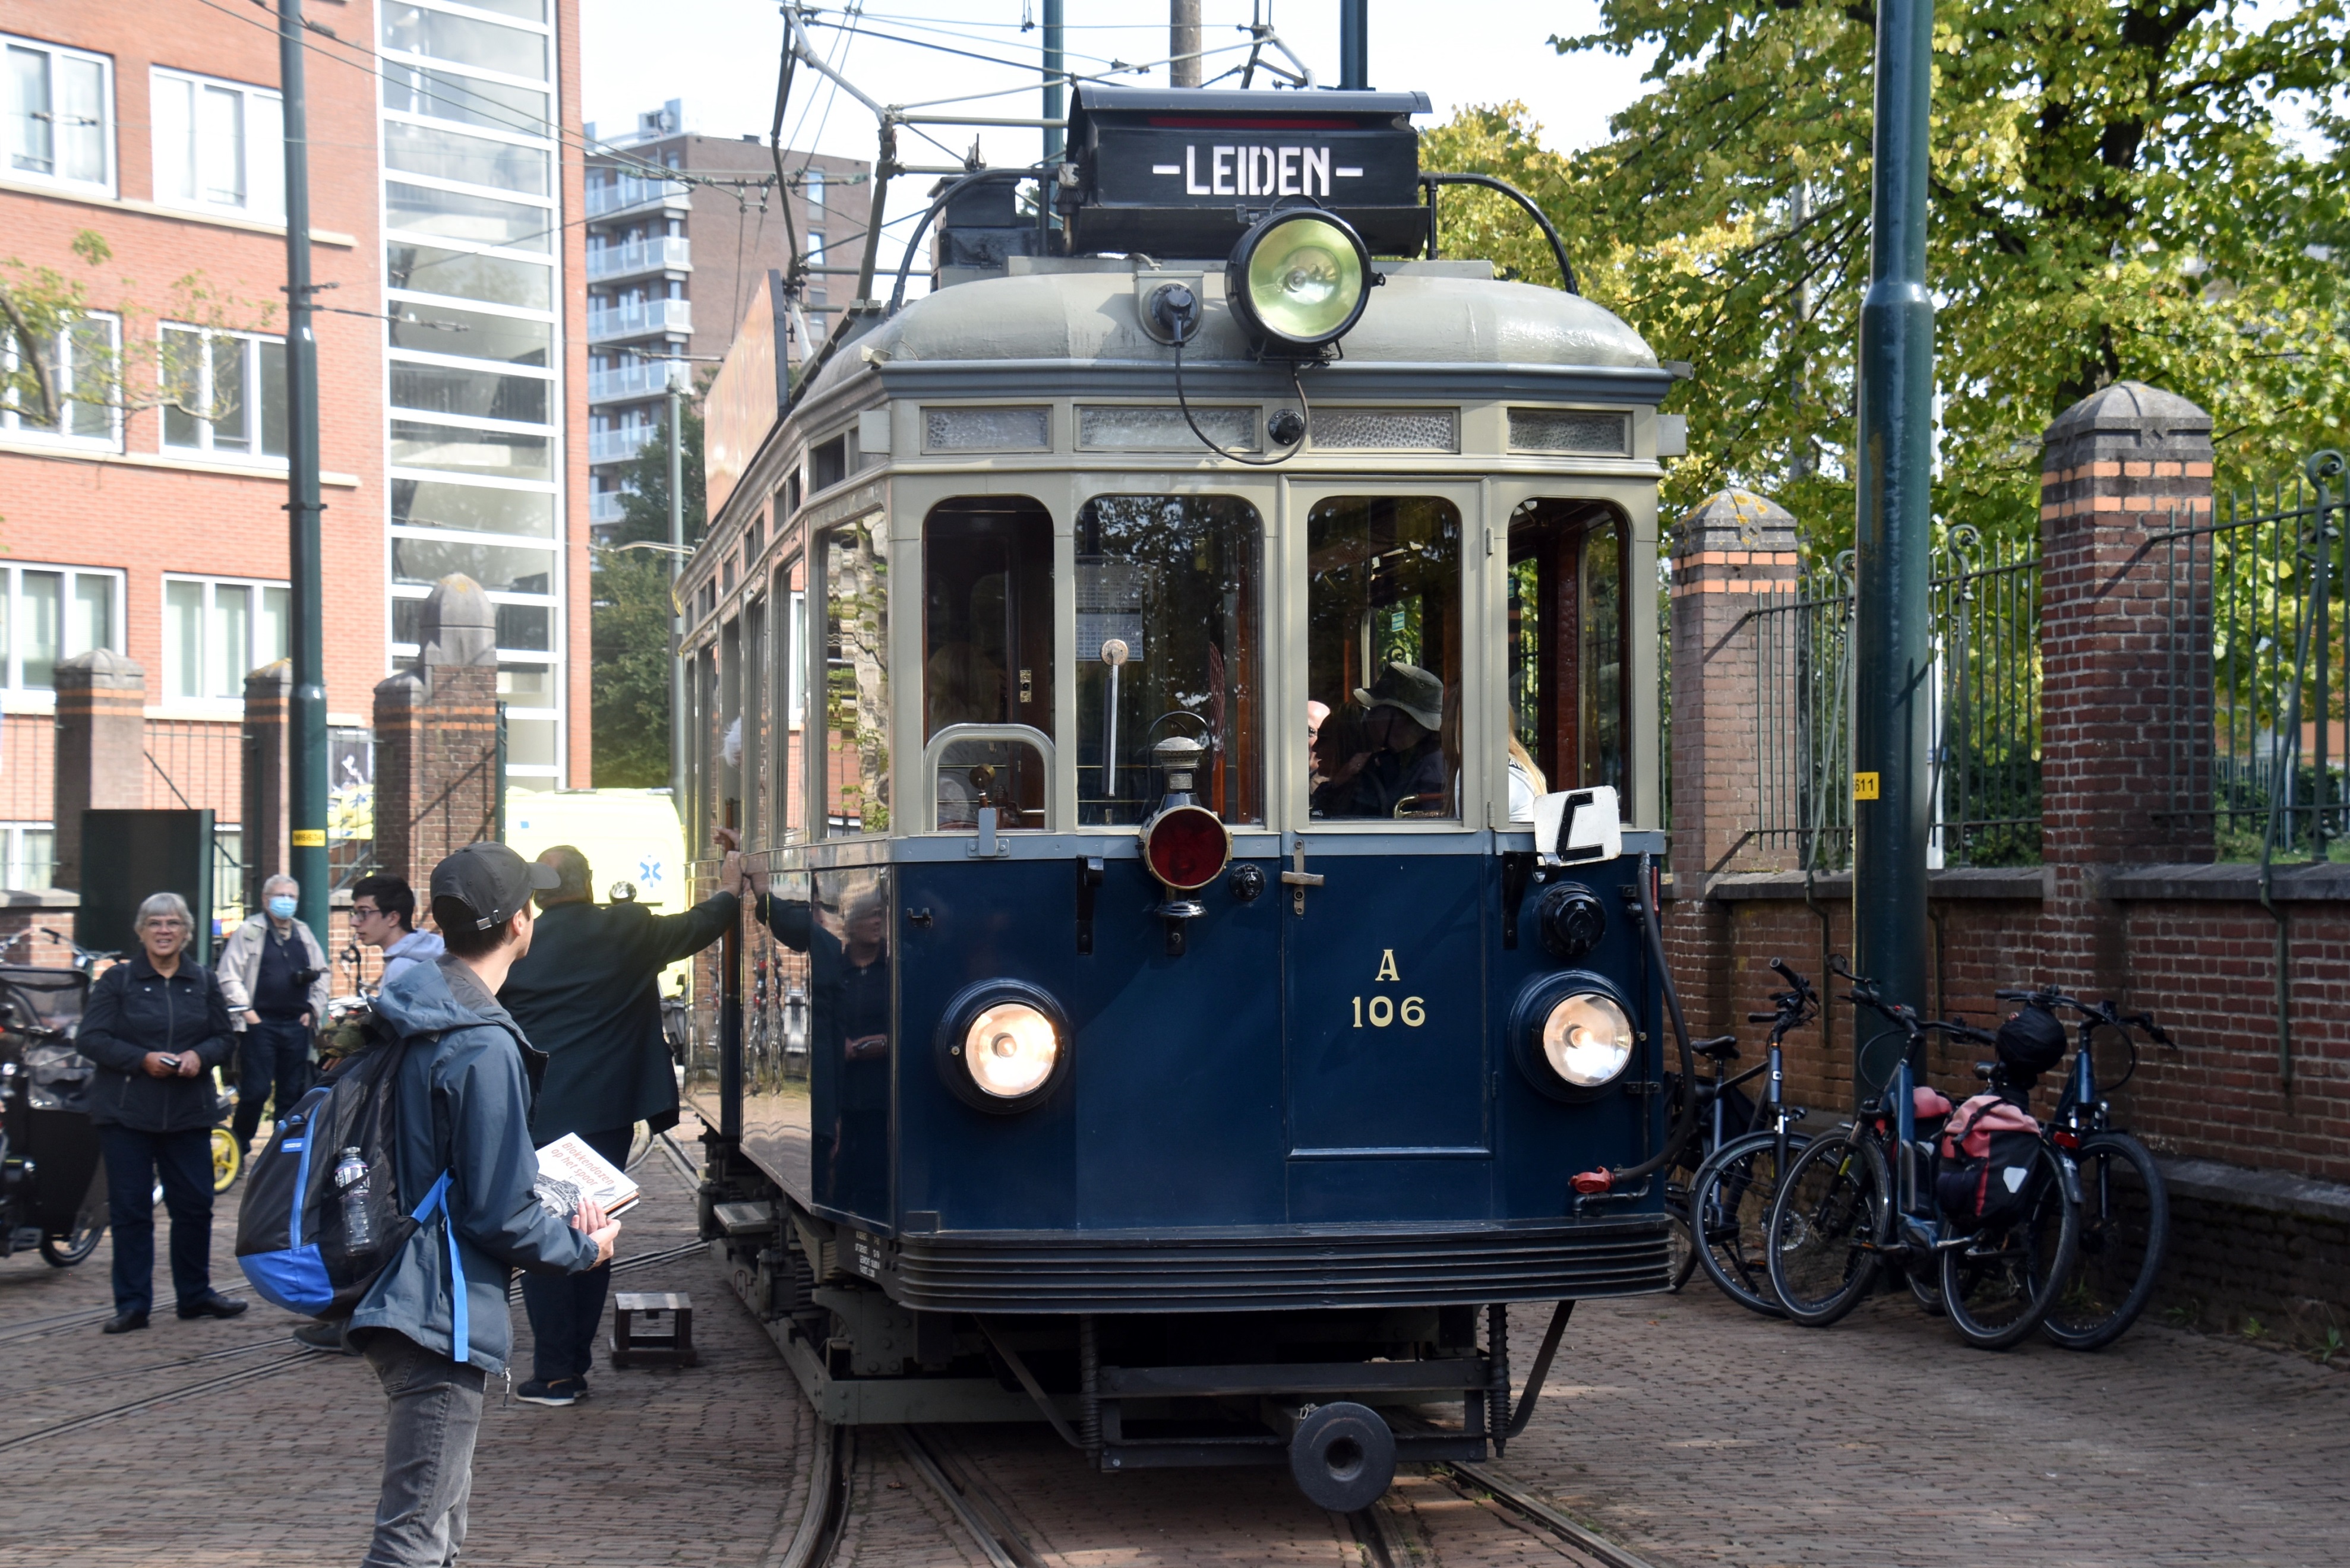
<point>1171,581</point>
<point>1567,645</point>
<point>789,690</point>
<point>857,677</point>
<point>987,653</point>
<point>1383,657</point>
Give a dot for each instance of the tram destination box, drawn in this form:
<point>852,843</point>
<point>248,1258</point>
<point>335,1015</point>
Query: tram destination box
<point>1183,171</point>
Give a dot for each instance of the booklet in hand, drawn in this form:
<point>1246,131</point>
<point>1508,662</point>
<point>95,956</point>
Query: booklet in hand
<point>569,1171</point>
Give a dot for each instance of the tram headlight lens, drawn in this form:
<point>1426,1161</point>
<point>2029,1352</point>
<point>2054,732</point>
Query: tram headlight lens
<point>1586,1039</point>
<point>1299,277</point>
<point>1010,1049</point>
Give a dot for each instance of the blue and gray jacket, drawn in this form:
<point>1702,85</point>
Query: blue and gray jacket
<point>464,1107</point>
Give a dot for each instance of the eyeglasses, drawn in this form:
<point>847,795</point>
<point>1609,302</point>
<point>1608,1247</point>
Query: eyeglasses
<point>364,912</point>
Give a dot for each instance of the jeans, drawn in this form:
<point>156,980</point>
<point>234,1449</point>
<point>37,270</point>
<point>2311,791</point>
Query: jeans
<point>133,1161</point>
<point>565,1309</point>
<point>434,1413</point>
<point>276,1050</point>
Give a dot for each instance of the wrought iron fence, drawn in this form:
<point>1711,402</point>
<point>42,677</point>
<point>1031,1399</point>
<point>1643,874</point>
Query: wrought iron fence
<point>1985,607</point>
<point>2259,668</point>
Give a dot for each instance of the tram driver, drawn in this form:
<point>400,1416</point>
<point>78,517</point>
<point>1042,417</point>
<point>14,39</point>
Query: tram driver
<point>1391,762</point>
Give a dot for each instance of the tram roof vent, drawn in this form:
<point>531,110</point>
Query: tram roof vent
<point>1186,170</point>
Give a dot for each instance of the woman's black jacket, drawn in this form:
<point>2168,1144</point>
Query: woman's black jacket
<point>132,1010</point>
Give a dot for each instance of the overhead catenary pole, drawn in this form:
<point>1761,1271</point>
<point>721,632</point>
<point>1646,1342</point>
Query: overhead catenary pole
<point>1183,42</point>
<point>1056,97</point>
<point>306,750</point>
<point>1354,44</point>
<point>676,615</point>
<point>1893,657</point>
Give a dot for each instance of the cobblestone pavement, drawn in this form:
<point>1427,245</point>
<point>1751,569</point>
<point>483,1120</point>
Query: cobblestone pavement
<point>1682,1428</point>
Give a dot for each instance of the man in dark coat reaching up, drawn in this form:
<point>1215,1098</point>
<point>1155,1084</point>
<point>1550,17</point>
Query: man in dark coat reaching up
<point>584,994</point>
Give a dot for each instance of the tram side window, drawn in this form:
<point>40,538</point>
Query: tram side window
<point>1567,646</point>
<point>788,697</point>
<point>857,677</point>
<point>1383,657</point>
<point>987,654</point>
<point>1168,630</point>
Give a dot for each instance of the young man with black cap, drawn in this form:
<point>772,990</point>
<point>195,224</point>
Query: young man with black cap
<point>434,1325</point>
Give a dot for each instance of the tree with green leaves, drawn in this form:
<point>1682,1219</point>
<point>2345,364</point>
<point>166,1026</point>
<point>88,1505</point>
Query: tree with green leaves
<point>2117,192</point>
<point>629,623</point>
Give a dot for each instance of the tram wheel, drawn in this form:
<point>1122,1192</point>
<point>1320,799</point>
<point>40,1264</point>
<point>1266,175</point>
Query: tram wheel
<point>228,1159</point>
<point>1343,1456</point>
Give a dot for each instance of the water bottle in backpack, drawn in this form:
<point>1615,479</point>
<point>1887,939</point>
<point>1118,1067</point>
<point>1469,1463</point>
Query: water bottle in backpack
<point>351,1182</point>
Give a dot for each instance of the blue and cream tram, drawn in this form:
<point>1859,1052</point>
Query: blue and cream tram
<point>1139,670</point>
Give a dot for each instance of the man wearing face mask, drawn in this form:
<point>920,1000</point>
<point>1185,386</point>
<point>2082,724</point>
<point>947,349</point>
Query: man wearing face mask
<point>274,976</point>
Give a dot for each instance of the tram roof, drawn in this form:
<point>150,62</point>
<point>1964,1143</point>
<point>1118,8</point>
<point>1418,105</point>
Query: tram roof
<point>1076,325</point>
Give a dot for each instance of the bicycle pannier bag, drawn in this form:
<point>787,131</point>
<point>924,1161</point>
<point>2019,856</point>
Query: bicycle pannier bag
<point>1991,1151</point>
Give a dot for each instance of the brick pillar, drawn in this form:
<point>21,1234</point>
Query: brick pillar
<point>2124,464</point>
<point>101,748</point>
<point>267,694</point>
<point>436,737</point>
<point>1729,552</point>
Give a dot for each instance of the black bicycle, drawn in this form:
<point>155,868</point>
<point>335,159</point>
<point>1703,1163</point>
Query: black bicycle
<point>1730,1200</point>
<point>1862,1197</point>
<point>1726,1111</point>
<point>2125,1204</point>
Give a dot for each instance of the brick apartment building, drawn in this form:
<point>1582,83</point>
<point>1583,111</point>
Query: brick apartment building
<point>673,262</point>
<point>444,212</point>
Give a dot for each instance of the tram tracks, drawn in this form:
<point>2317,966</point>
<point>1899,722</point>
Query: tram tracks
<point>170,1396</point>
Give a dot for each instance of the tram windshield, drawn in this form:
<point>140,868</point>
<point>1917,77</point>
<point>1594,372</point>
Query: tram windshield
<point>987,656</point>
<point>1167,645</point>
<point>1383,657</point>
<point>1567,651</point>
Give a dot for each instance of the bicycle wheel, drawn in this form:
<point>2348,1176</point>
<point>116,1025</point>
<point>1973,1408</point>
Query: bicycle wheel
<point>1997,1284</point>
<point>64,1251</point>
<point>1681,1253</point>
<point>2124,1230</point>
<point>1730,1201</point>
<point>228,1159</point>
<point>1826,1222</point>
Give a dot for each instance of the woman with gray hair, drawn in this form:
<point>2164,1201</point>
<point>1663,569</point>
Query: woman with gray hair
<point>157,1026</point>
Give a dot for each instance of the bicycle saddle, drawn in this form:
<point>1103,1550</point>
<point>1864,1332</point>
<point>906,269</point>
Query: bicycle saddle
<point>1720,1048</point>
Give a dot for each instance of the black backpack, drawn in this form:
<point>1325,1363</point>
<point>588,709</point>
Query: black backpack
<point>294,1229</point>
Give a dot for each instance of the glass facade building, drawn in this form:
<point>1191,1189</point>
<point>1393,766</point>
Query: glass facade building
<point>473,228</point>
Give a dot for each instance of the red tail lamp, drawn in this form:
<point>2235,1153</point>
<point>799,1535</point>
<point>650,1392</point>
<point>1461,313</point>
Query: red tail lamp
<point>1186,847</point>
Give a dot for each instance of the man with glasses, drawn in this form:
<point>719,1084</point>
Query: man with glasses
<point>383,915</point>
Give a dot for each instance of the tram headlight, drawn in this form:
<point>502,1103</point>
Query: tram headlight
<point>1586,1039</point>
<point>1009,1050</point>
<point>1299,277</point>
<point>1002,1046</point>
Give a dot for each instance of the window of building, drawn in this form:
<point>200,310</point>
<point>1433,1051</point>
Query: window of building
<point>82,363</point>
<point>52,613</point>
<point>28,855</point>
<point>60,112</point>
<point>443,36</point>
<point>219,146</point>
<point>812,188</point>
<point>217,630</point>
<point>228,393</point>
<point>468,100</point>
<point>1167,645</point>
<point>1383,657</point>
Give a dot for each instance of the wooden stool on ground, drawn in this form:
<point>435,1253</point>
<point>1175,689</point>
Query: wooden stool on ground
<point>666,1340</point>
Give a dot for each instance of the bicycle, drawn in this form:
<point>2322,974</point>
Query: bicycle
<point>1730,1200</point>
<point>1720,1095</point>
<point>1861,1197</point>
<point>2125,1203</point>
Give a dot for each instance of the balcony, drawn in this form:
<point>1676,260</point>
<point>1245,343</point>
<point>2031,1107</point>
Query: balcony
<point>604,507</point>
<point>638,379</point>
<point>630,191</point>
<point>640,318</point>
<point>620,445</point>
<point>666,253</point>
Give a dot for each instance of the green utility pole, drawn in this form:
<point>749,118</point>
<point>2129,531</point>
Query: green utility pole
<point>307,748</point>
<point>1893,645</point>
<point>1354,44</point>
<point>676,566</point>
<point>1056,104</point>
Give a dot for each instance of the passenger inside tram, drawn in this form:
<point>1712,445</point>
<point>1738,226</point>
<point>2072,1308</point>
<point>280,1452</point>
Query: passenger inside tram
<point>1396,765</point>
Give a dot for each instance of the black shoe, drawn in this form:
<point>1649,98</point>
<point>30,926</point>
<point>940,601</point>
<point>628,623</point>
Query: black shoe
<point>558,1391</point>
<point>125,1323</point>
<point>323,1336</point>
<point>213,1306</point>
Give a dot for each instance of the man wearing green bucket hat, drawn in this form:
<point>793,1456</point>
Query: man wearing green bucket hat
<point>1401,770</point>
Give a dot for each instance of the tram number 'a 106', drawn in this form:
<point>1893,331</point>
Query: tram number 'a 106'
<point>1383,1011</point>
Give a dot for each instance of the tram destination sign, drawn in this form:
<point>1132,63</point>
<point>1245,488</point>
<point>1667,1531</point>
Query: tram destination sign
<point>1181,173</point>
